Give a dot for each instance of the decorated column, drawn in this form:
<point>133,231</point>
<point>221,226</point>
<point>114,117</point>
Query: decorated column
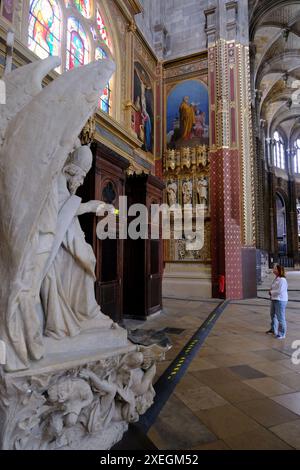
<point>231,151</point>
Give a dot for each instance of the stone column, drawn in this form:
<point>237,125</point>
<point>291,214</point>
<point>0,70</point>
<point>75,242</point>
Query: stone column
<point>293,222</point>
<point>231,150</point>
<point>273,214</point>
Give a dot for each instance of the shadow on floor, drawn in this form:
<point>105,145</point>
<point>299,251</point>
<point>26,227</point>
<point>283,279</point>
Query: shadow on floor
<point>134,439</point>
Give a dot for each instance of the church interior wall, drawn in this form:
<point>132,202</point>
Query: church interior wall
<point>138,73</point>
<point>274,37</point>
<point>126,42</point>
<point>149,40</point>
<point>186,171</point>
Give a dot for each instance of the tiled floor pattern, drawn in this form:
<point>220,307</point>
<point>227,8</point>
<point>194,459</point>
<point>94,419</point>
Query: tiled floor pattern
<point>242,391</point>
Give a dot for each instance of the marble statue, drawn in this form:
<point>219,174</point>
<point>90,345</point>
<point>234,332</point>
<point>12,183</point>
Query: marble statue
<point>133,386</point>
<point>69,264</point>
<point>202,190</point>
<point>172,193</point>
<point>39,127</point>
<point>69,377</point>
<point>69,396</point>
<point>187,192</point>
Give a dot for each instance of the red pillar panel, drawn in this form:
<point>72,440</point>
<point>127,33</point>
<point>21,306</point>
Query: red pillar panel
<point>226,232</point>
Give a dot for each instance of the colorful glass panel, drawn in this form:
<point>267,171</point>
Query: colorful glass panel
<point>102,29</point>
<point>104,102</point>
<point>77,45</point>
<point>44,28</point>
<point>84,7</point>
<point>100,53</point>
<point>94,33</point>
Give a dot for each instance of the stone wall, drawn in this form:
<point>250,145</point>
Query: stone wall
<point>185,23</point>
<point>145,20</point>
<point>174,28</point>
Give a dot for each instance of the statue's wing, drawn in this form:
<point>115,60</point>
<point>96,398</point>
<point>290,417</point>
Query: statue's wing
<point>22,84</point>
<point>36,144</point>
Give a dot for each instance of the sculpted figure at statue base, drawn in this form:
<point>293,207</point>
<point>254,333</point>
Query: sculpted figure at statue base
<point>87,406</point>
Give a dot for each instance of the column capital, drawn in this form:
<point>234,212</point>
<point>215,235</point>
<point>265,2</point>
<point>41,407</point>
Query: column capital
<point>132,27</point>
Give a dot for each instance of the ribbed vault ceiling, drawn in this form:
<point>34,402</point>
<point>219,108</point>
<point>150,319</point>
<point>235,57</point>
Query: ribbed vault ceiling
<point>275,36</point>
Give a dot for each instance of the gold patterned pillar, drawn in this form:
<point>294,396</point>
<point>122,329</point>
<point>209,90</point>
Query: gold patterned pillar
<point>231,152</point>
<point>129,105</point>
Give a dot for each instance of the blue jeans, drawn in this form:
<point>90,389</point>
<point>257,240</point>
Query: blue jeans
<point>278,321</point>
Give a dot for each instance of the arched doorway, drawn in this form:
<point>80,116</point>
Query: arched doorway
<point>281,225</point>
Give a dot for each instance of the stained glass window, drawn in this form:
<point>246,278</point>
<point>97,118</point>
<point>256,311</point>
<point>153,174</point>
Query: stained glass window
<point>46,33</point>
<point>102,29</point>
<point>44,28</point>
<point>84,7</point>
<point>104,102</point>
<point>77,45</point>
<point>100,54</point>
<point>94,34</point>
<point>297,156</point>
<point>279,154</point>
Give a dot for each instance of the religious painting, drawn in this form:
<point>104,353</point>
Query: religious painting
<point>144,107</point>
<point>8,9</point>
<point>187,115</point>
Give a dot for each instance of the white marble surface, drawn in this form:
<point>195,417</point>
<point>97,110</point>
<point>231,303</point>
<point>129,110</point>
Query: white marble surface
<point>39,128</point>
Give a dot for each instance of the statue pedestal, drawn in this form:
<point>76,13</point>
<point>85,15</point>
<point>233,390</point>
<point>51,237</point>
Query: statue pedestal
<point>81,396</point>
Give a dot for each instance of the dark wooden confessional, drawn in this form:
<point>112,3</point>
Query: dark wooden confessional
<point>128,272</point>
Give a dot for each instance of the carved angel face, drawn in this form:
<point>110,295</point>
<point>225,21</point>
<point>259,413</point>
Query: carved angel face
<point>75,177</point>
<point>60,392</point>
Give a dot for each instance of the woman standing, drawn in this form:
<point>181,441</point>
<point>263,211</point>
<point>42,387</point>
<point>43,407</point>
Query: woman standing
<point>279,300</point>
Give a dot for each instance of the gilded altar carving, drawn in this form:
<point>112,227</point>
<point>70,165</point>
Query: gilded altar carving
<point>187,158</point>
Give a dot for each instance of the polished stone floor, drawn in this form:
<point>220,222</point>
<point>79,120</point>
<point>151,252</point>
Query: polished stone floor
<point>242,390</point>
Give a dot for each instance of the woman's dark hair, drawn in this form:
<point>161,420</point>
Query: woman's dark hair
<point>281,270</point>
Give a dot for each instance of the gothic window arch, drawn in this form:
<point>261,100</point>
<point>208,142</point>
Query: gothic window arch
<point>297,156</point>
<point>75,30</point>
<point>278,151</point>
